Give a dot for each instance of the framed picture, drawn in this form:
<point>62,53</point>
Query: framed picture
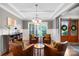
<point>11,21</point>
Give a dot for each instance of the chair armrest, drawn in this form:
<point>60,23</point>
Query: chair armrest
<point>29,46</point>
<point>28,51</point>
<point>51,51</point>
<point>51,47</point>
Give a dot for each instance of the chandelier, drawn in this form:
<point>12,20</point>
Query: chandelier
<point>36,20</point>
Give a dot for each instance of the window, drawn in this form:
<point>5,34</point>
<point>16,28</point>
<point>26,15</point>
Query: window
<point>38,30</point>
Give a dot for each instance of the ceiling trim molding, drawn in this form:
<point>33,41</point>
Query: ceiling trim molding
<point>72,17</point>
<point>64,10</point>
<point>69,10</point>
<point>11,12</point>
<point>61,5</point>
<point>11,5</point>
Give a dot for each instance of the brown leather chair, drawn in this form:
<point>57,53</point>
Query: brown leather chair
<point>17,50</point>
<point>49,50</point>
<point>20,42</point>
<point>33,39</point>
<point>47,39</point>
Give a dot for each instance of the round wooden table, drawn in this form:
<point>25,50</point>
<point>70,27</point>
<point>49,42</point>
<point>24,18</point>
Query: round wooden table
<point>39,47</point>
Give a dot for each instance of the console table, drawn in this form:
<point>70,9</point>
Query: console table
<point>17,36</point>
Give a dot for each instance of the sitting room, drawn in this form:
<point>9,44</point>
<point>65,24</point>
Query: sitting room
<point>39,29</point>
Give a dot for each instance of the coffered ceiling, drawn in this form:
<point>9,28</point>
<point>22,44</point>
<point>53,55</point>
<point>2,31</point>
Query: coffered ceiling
<point>45,11</point>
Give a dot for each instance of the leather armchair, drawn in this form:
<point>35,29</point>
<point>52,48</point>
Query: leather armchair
<point>33,39</point>
<point>47,39</point>
<point>28,51</point>
<point>51,51</point>
<point>17,50</point>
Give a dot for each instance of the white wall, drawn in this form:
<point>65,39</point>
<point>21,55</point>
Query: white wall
<point>25,34</point>
<point>19,23</point>
<point>1,45</point>
<point>3,30</point>
<point>55,31</point>
<point>56,35</point>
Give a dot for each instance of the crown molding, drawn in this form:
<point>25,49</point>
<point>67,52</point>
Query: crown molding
<point>11,5</point>
<point>11,12</point>
<point>64,9</point>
